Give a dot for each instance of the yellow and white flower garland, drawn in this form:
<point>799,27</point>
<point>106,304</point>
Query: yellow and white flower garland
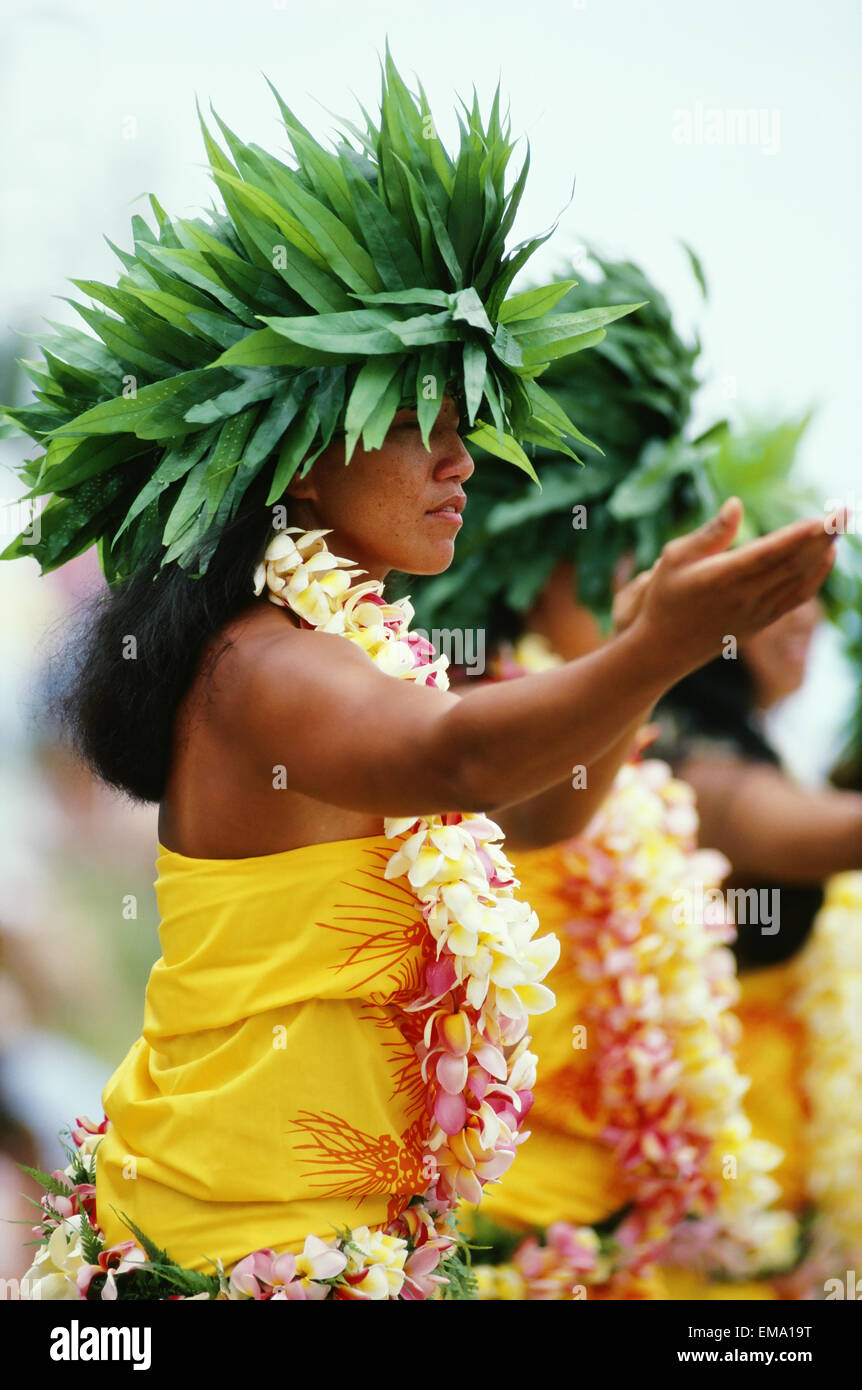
<point>829,1002</point>
<point>662,987</point>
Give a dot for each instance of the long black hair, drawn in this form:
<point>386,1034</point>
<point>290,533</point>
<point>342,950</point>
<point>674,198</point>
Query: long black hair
<point>135,649</point>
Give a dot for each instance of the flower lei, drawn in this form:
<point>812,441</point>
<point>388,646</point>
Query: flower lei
<point>662,983</point>
<point>478,994</point>
<point>829,1002</point>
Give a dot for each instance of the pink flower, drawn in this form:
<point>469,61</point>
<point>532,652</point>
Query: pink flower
<point>264,1274</point>
<point>85,1126</point>
<point>114,1260</point>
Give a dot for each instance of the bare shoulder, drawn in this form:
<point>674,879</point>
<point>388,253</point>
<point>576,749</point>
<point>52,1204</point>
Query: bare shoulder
<point>263,657</point>
<point>260,644</point>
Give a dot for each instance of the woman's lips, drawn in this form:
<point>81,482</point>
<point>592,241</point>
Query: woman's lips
<point>450,510</point>
<point>447,514</point>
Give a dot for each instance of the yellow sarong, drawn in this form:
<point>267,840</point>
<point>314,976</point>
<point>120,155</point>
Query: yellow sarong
<point>771,1054</point>
<point>563,1172</point>
<point>274,1092</point>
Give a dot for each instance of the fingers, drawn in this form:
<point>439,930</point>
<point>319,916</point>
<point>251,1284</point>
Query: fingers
<point>789,594</point>
<point>715,535</point>
<point>790,552</point>
<point>628,601</point>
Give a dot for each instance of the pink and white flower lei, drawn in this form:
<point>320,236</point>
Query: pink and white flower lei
<point>828,1001</point>
<point>662,984</point>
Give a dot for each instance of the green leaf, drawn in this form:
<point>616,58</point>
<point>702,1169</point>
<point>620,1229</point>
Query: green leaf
<point>425,330</point>
<point>293,450</point>
<point>69,462</point>
<point>475,369</point>
<point>509,449</point>
<point>267,348</point>
<point>54,1186</point>
<point>148,412</point>
<point>369,390</point>
<point>175,464</point>
<point>258,385</point>
<point>469,307</point>
<point>430,389</point>
<point>378,422</point>
<point>533,303</point>
<point>555,335</point>
<point>341,337</point>
<point>278,417</point>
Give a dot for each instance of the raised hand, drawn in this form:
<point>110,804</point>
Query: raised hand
<point>699,591</point>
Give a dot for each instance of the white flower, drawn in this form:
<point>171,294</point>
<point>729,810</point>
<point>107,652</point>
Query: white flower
<point>56,1266</point>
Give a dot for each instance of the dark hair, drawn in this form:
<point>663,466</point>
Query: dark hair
<point>118,712</point>
<point>717,701</point>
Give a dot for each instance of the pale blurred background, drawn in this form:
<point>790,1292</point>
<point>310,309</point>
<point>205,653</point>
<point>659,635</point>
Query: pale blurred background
<point>97,109</point>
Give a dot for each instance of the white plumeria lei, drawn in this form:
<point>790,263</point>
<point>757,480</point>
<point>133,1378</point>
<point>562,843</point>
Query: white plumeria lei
<point>486,980</point>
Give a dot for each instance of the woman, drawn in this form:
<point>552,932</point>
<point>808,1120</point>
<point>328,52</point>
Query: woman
<point>335,1036</point>
<point>784,841</point>
<point>638,1120</point>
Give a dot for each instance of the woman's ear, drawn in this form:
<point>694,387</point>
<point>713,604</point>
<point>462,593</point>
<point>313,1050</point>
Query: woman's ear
<point>303,487</point>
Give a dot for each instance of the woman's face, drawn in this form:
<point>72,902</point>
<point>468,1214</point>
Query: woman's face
<point>777,655</point>
<point>394,508</point>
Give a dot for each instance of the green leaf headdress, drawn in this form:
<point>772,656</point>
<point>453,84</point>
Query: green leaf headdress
<point>632,391</point>
<point>323,298</point>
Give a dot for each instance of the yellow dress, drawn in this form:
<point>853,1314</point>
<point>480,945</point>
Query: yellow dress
<point>274,1092</point>
<point>564,1172</point>
<point>771,1053</point>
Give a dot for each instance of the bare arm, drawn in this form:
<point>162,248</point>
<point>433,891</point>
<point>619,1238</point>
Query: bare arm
<point>566,809</point>
<point>384,746</point>
<point>770,828</point>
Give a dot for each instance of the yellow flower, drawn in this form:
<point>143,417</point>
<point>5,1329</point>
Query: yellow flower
<point>382,1256</point>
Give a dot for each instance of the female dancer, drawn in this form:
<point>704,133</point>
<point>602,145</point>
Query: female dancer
<point>628,1139</point>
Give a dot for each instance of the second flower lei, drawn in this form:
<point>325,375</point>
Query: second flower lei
<point>662,984</point>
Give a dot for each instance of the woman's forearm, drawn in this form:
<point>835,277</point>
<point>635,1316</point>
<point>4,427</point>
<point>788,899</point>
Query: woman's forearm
<point>566,809</point>
<point>517,739</point>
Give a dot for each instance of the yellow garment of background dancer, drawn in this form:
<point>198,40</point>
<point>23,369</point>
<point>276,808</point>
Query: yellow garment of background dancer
<point>564,1172</point>
<point>569,1171</point>
<point>272,1021</point>
<point>770,1053</point>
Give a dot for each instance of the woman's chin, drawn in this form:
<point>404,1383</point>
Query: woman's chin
<point>428,559</point>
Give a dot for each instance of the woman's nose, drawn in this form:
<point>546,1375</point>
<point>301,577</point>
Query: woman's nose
<point>456,462</point>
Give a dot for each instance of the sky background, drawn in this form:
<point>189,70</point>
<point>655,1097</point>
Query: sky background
<point>98,108</point>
